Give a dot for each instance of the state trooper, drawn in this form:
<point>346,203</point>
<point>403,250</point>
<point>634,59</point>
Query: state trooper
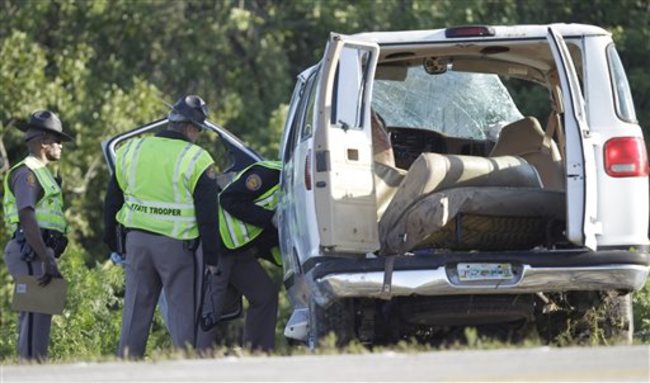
<point>163,195</point>
<point>248,230</point>
<point>33,211</point>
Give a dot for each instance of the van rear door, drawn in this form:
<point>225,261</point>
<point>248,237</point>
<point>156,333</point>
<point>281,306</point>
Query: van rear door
<point>343,179</point>
<point>581,188</point>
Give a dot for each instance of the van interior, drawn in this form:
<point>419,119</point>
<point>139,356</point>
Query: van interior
<point>460,163</point>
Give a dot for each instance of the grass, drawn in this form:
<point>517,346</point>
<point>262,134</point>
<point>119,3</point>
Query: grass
<point>90,326</point>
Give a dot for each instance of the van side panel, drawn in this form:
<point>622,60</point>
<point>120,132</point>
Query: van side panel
<point>623,203</point>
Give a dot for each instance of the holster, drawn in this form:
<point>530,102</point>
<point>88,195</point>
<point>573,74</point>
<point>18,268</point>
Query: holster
<point>53,239</point>
<point>120,239</point>
<point>56,241</point>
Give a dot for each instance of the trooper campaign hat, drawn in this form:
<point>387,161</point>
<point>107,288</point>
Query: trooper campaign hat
<point>190,108</point>
<point>44,121</point>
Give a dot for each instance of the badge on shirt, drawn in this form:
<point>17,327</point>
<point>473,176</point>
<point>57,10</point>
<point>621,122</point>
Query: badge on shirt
<point>31,180</point>
<point>253,182</point>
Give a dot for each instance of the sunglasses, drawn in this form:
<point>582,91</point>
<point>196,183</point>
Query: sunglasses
<point>52,140</point>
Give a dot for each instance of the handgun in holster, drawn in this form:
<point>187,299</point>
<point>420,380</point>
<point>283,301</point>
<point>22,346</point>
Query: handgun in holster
<point>26,252</point>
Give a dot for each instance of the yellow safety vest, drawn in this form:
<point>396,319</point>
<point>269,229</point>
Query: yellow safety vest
<point>158,176</point>
<point>236,233</point>
<point>48,210</point>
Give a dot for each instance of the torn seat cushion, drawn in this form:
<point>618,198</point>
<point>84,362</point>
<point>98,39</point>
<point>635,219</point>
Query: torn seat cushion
<point>439,187</point>
<point>475,218</point>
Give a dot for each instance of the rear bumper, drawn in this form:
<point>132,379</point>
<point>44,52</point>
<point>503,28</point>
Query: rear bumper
<point>439,282</point>
<point>436,275</point>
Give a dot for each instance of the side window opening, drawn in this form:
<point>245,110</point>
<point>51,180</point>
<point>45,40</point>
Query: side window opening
<point>623,102</point>
<point>299,119</point>
<point>308,118</point>
<point>349,88</point>
<point>295,126</point>
<point>531,98</point>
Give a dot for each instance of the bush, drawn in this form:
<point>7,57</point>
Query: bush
<point>89,328</point>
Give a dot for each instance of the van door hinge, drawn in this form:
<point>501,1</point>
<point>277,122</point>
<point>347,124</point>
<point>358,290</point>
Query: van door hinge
<point>596,225</point>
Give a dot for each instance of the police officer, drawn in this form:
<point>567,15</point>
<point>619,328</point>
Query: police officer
<point>248,228</point>
<point>163,194</point>
<point>33,210</point>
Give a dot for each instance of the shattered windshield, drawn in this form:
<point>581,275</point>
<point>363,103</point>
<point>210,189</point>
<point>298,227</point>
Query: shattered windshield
<point>458,104</point>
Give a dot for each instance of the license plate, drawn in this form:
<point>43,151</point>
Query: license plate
<point>484,271</point>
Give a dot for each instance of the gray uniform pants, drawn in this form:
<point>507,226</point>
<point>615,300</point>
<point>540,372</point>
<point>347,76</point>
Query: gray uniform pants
<point>33,328</point>
<point>245,273</point>
<point>154,261</point>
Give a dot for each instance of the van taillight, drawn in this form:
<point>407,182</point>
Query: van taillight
<point>308,170</point>
<point>626,157</point>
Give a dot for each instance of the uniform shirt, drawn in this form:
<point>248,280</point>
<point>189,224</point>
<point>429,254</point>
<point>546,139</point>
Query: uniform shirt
<point>26,188</point>
<point>238,199</point>
<point>205,201</point>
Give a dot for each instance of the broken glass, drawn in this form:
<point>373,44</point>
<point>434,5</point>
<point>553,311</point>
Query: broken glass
<point>458,104</point>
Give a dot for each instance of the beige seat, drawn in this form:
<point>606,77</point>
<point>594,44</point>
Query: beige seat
<point>387,176</point>
<point>439,188</point>
<point>525,138</point>
<point>432,172</point>
<point>387,181</point>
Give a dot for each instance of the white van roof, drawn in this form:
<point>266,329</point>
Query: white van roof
<point>500,32</point>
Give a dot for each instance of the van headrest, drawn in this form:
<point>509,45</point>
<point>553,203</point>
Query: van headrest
<point>518,138</point>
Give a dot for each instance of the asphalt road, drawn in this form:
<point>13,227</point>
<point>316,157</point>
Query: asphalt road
<point>538,364</point>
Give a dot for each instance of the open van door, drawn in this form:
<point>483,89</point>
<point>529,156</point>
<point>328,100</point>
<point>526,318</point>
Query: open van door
<point>344,189</point>
<point>581,190</point>
<point>241,156</point>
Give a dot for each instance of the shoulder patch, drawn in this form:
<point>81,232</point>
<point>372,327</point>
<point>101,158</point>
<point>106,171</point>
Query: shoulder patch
<point>253,182</point>
<point>31,180</point>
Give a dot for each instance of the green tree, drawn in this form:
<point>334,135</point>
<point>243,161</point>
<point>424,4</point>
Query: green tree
<point>109,65</point>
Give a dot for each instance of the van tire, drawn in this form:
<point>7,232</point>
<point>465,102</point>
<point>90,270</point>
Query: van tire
<point>336,318</point>
<point>587,317</point>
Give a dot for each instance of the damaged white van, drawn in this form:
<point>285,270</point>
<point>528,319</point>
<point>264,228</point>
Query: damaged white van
<point>418,197</point>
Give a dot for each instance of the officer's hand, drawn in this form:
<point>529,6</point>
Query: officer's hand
<point>50,269</point>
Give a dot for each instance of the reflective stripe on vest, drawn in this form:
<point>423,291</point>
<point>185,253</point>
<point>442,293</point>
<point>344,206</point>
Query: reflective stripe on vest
<point>48,210</point>
<point>158,176</point>
<point>236,233</point>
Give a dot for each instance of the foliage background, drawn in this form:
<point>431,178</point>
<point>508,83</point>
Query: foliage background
<point>107,65</point>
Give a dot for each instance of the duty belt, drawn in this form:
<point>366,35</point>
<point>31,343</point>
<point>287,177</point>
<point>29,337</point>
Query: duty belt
<point>53,239</point>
